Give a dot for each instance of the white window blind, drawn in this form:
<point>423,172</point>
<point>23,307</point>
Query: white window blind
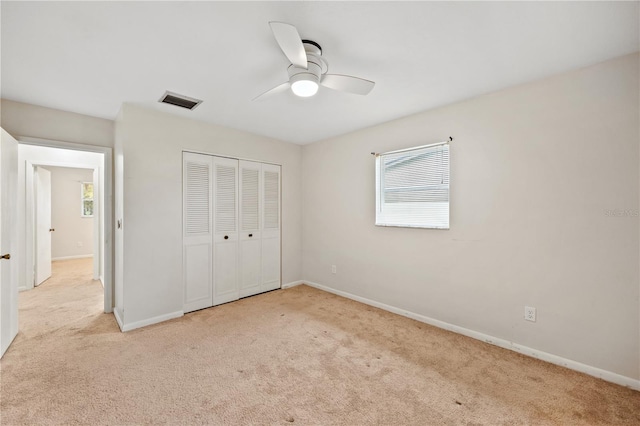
<point>412,187</point>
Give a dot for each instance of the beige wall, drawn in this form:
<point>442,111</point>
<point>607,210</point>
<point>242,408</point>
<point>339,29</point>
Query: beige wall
<point>534,170</point>
<point>25,120</point>
<point>73,234</point>
<point>152,143</point>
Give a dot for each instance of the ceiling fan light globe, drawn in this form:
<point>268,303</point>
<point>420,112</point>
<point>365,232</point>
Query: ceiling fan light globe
<point>304,88</point>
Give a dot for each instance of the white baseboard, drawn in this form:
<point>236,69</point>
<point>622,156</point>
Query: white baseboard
<point>534,353</point>
<point>149,321</point>
<point>292,284</point>
<point>118,315</point>
<point>80,256</point>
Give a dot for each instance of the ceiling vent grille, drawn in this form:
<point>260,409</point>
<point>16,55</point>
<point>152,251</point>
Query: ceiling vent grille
<point>179,100</point>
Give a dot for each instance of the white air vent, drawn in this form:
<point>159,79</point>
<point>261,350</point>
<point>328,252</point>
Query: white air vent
<point>179,100</point>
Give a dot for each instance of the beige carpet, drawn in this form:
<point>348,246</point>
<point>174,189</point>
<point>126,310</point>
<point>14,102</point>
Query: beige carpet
<point>298,356</point>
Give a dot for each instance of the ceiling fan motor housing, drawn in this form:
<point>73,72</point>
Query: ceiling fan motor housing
<point>315,65</point>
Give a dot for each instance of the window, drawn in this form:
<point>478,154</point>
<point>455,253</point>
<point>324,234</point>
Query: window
<point>412,187</point>
<point>86,199</point>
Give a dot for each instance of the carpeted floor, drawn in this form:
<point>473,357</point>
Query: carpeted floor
<point>298,356</point>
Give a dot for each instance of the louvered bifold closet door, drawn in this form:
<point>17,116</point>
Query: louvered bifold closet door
<point>271,215</point>
<point>250,235</point>
<point>225,237</point>
<point>197,249</point>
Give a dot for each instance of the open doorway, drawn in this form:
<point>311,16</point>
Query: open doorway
<point>64,218</point>
<point>67,220</point>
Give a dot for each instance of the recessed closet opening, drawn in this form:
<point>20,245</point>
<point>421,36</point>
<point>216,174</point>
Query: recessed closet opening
<point>231,229</point>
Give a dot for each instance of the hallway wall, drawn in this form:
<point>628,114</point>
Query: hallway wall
<point>25,120</point>
<point>73,235</point>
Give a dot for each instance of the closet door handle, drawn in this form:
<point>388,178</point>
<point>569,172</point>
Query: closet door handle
<point>250,235</point>
<point>226,237</point>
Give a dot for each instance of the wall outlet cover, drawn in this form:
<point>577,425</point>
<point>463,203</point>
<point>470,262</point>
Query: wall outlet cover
<point>530,313</point>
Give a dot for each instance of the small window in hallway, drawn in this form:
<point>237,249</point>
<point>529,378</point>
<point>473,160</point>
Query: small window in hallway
<point>87,199</point>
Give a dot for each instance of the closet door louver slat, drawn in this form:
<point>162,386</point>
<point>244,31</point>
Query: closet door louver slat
<point>197,198</point>
<point>271,200</point>
<point>250,196</point>
<point>225,198</point>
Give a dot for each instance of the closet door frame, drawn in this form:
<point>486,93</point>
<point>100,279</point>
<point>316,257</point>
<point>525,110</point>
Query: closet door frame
<point>216,237</point>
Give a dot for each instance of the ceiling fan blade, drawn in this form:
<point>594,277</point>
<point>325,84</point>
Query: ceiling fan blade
<point>347,83</point>
<point>278,89</point>
<point>290,42</point>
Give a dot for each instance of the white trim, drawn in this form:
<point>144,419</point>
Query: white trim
<point>118,315</point>
<point>534,353</point>
<point>292,284</point>
<point>79,256</point>
<point>153,320</point>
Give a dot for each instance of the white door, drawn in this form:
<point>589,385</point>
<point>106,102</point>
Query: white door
<point>250,236</point>
<point>231,229</point>
<point>8,240</point>
<point>43,224</point>
<point>197,249</point>
<point>271,227</point>
<point>225,237</point>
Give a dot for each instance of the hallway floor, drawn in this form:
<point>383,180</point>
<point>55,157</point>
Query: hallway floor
<point>69,296</point>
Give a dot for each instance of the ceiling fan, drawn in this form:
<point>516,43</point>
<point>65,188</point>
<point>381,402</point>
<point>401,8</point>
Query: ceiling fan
<point>308,68</point>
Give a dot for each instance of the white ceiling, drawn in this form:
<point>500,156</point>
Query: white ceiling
<point>89,57</point>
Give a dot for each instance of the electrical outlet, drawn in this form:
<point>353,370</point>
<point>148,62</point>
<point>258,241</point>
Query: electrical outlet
<point>530,313</point>
<point>79,243</point>
<point>334,269</point>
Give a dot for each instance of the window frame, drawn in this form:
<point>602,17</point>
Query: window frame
<point>83,199</point>
<point>380,196</point>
